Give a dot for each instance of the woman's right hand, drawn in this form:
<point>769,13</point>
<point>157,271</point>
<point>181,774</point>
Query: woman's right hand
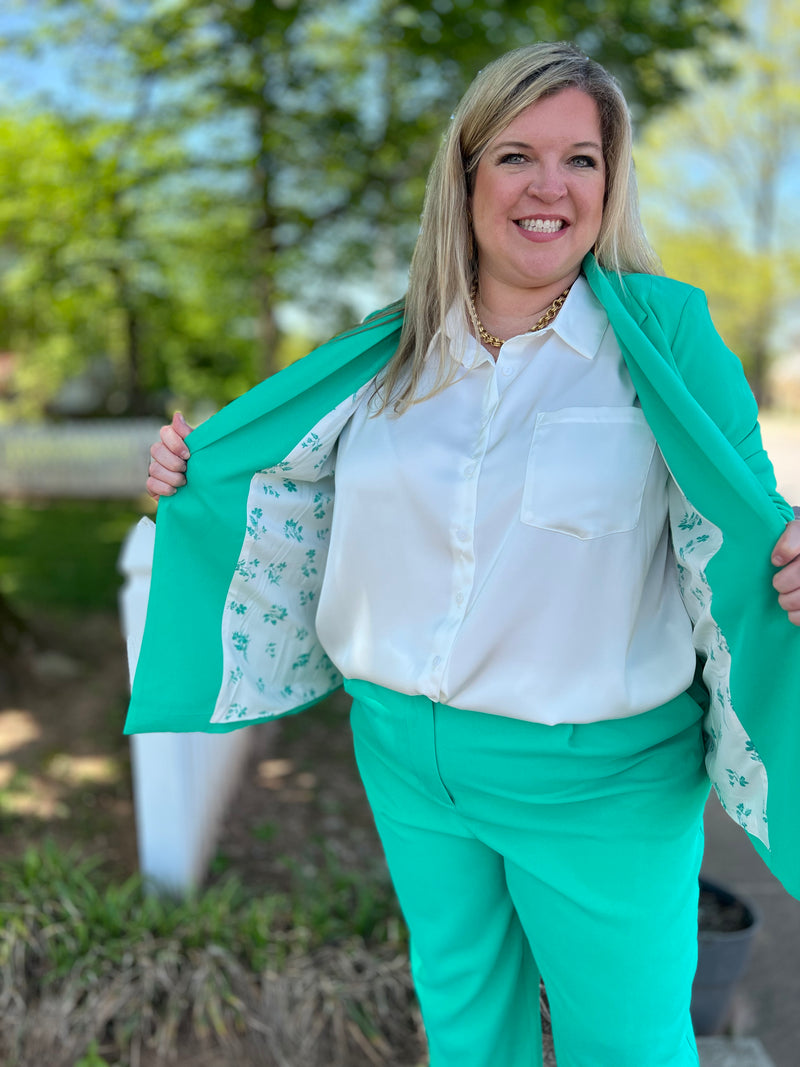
<point>168,456</point>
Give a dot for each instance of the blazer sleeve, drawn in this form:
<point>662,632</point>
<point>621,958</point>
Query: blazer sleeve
<point>716,379</point>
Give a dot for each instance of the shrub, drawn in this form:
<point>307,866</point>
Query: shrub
<point>90,971</point>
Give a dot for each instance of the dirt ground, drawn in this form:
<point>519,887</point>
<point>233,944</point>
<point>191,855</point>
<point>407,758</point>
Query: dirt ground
<point>299,816</point>
<point>65,770</point>
<point>64,766</point>
<point>300,808</point>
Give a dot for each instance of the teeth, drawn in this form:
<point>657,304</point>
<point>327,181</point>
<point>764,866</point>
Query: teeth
<point>541,225</point>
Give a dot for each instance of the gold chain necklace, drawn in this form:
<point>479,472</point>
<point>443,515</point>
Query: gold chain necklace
<point>544,319</point>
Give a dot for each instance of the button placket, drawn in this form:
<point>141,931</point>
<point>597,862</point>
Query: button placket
<point>508,364</point>
<point>463,532</point>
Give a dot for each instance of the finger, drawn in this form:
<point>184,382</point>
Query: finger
<point>790,601</point>
<point>787,547</point>
<point>157,487</point>
<point>162,454</point>
<point>153,490</point>
<point>173,440</point>
<point>181,426</point>
<point>170,475</point>
<point>787,579</point>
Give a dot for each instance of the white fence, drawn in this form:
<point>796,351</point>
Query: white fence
<point>101,458</point>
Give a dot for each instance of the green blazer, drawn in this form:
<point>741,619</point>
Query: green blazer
<point>240,551</point>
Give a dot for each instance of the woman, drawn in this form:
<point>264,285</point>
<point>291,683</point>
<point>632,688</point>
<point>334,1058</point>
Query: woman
<point>501,591</point>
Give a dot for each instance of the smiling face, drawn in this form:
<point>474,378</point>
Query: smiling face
<point>537,201</point>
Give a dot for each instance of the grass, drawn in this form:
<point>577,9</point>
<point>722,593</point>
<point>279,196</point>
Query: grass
<point>91,970</point>
<point>97,972</point>
<point>77,919</point>
<point>63,554</point>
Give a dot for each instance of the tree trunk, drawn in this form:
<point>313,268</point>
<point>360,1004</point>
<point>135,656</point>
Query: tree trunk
<point>135,400</point>
<point>264,226</point>
<point>269,73</point>
<point>137,403</point>
<point>15,635</point>
<point>269,334</point>
<point>759,372</point>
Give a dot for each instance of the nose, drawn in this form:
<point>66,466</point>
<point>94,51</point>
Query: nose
<point>547,184</point>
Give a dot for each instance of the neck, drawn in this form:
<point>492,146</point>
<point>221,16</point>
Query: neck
<point>520,306</point>
<point>510,314</point>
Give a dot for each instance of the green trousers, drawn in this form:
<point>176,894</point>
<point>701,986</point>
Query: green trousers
<point>520,851</point>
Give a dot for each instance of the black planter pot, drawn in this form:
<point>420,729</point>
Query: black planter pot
<point>727,925</point>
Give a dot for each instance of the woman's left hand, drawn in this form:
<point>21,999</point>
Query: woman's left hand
<point>786,555</point>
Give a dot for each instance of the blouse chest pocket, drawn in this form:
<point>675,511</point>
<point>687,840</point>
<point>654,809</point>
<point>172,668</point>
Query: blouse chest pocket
<point>587,470</point>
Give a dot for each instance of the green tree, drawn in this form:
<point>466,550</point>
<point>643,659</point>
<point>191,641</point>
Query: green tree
<point>238,157</point>
<point>109,252</point>
<point>722,165</point>
<point>342,105</point>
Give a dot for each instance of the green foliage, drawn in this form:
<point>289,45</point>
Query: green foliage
<point>218,162</point>
<point>723,163</point>
<point>92,1058</point>
<point>265,831</point>
<point>738,284</point>
<point>102,257</point>
<point>335,903</point>
<point>61,911</point>
<point>62,554</point>
<point>61,914</point>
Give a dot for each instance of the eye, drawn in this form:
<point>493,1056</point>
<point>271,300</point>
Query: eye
<point>511,157</point>
<point>584,162</point>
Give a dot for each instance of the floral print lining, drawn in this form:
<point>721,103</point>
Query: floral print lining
<point>273,662</point>
<point>733,763</point>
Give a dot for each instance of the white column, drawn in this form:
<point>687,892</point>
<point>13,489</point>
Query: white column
<point>182,782</point>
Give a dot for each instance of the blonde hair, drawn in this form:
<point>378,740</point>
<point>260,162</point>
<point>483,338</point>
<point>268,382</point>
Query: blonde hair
<point>444,263</point>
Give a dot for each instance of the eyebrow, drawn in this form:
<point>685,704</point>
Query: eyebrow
<point>525,144</point>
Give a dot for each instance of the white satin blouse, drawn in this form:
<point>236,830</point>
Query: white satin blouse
<point>503,545</point>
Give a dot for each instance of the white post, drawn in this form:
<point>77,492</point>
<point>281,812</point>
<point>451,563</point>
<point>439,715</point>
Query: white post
<point>182,782</point>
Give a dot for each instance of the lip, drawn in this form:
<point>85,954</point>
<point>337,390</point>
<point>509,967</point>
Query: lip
<point>541,217</point>
<point>540,238</point>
